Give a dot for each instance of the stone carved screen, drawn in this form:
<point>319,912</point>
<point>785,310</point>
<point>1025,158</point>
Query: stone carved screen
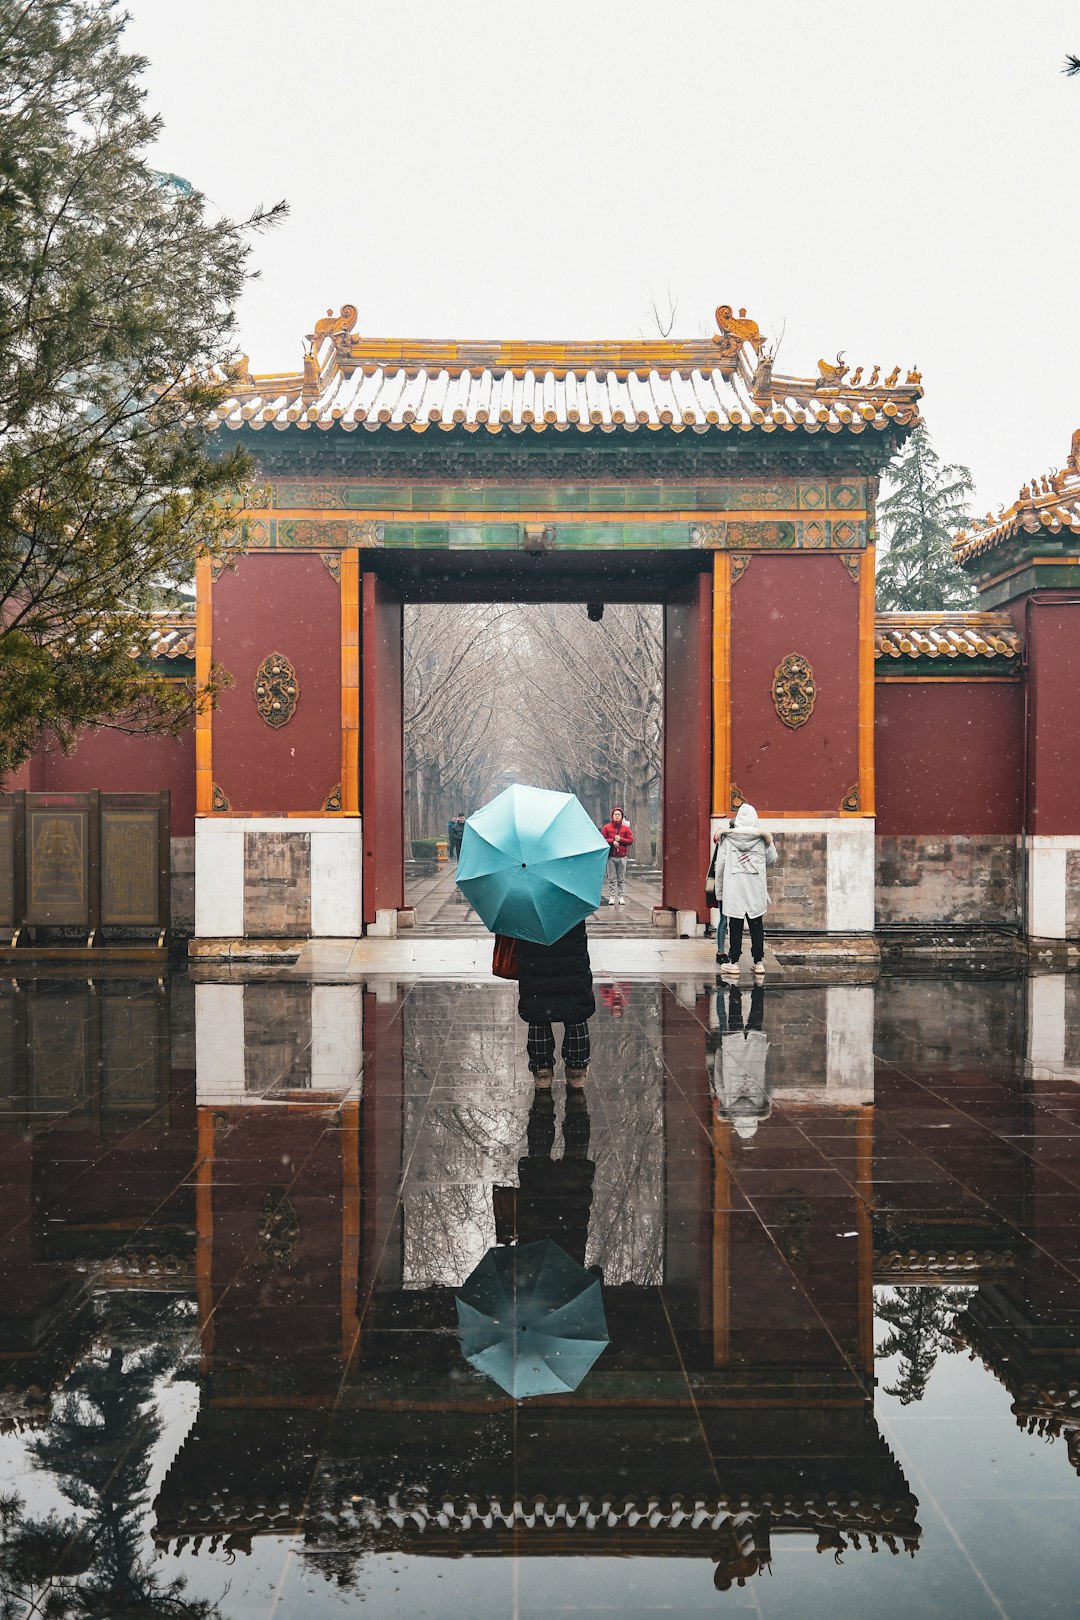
<point>129,867</point>
<point>58,862</point>
<point>84,861</point>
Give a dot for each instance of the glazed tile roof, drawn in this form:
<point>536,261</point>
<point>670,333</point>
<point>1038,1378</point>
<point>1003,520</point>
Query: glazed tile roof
<point>1049,505</point>
<point>946,637</point>
<point>725,382</point>
<point>225,1512</point>
<point>172,635</point>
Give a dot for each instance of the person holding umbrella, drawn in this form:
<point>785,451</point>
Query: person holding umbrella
<point>532,866</point>
<point>555,986</point>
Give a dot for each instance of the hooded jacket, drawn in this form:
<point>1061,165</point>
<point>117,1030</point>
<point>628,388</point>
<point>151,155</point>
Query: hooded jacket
<point>745,854</point>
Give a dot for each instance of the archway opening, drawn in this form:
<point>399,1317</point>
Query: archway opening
<point>555,693</point>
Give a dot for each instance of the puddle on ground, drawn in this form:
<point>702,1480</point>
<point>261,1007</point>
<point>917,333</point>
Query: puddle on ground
<point>836,1237</point>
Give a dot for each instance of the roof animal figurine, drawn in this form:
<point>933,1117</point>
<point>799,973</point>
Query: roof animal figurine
<point>832,375</point>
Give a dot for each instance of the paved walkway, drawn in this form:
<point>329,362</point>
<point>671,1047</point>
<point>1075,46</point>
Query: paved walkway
<point>443,911</point>
<point>411,957</point>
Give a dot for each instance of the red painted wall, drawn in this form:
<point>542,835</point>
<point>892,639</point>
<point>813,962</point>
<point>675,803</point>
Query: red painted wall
<point>949,756</point>
<point>382,747</point>
<point>806,603</point>
<point>1053,635</point>
<point>687,744</point>
<point>117,763</point>
<point>288,604</point>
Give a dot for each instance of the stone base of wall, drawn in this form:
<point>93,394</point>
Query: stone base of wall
<point>283,878</point>
<point>823,880</point>
<point>182,887</point>
<point>935,880</point>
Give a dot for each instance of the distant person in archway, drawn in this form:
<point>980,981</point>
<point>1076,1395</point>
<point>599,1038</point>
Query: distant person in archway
<point>620,836</point>
<point>455,832</point>
<point>747,851</point>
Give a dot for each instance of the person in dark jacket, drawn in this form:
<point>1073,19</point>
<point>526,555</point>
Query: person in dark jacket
<point>455,832</point>
<point>555,986</point>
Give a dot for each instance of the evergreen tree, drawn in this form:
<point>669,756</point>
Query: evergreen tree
<point>927,502</point>
<point>116,337</point>
<point>921,1320</point>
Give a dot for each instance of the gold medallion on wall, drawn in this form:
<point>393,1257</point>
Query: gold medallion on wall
<point>276,690</point>
<point>793,690</point>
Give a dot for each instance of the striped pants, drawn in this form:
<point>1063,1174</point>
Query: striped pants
<point>541,1046</point>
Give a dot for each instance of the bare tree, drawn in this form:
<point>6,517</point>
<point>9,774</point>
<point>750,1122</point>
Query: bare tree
<point>456,734</point>
<point>537,693</point>
<point>593,723</point>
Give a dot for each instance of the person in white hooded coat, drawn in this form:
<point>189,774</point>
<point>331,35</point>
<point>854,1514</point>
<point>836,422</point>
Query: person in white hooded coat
<point>745,854</point>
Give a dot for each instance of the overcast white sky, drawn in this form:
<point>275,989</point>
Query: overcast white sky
<point>895,180</point>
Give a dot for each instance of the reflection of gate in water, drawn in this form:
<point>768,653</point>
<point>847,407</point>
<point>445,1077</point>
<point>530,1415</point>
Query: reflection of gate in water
<point>84,861</point>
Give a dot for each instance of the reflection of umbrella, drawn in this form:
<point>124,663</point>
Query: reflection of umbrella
<point>532,864</point>
<point>532,1319</point>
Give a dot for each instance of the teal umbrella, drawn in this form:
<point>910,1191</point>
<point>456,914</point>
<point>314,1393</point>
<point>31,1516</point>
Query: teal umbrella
<point>532,1319</point>
<point>532,864</point>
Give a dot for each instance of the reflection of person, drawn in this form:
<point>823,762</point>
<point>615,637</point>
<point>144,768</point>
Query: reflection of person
<point>555,985</point>
<point>455,832</point>
<point>746,851</point>
<point>553,1196</point>
<point>739,1084</point>
<point>614,998</point>
<point>620,836</point>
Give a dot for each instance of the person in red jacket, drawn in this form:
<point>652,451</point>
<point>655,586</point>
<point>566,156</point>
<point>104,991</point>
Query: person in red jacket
<point>619,835</point>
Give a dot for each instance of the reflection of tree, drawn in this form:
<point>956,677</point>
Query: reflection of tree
<point>98,1447</point>
<point>922,1321</point>
<point>626,1228</point>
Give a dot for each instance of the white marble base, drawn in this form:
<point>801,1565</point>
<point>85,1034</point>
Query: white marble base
<point>1046,885</point>
<point>849,904</point>
<point>335,865</point>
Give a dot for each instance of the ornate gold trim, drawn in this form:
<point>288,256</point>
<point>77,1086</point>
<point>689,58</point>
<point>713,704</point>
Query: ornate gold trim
<point>851,803</point>
<point>218,801</point>
<point>331,561</point>
<point>277,690</point>
<point>851,564</point>
<point>740,562</point>
<point>737,799</point>
<point>332,802</point>
<point>794,691</point>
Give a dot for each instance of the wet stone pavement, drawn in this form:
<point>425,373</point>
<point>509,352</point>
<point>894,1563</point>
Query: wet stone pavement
<point>837,1232</point>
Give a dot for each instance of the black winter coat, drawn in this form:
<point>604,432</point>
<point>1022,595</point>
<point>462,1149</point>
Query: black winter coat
<point>555,981</point>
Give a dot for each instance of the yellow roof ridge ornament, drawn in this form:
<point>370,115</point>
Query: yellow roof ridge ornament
<point>1050,503</point>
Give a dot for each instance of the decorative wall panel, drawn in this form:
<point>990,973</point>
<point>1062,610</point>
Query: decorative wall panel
<point>58,866</point>
<point>130,867</point>
<point>277,690</point>
<point>794,692</point>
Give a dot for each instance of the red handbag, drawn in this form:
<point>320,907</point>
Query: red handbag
<point>504,958</point>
